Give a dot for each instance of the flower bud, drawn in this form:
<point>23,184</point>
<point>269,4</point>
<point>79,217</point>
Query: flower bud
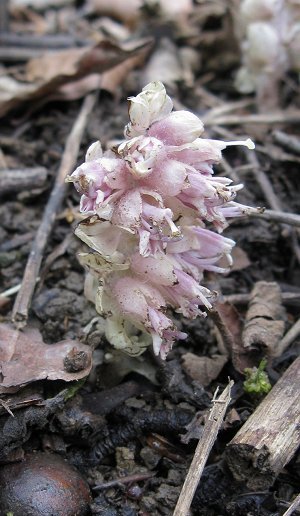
<point>150,105</point>
<point>177,128</point>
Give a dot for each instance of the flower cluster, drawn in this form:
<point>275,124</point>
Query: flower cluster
<point>148,203</point>
<point>269,32</point>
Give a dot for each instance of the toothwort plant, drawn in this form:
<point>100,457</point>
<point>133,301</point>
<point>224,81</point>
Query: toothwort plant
<point>148,204</point>
<point>269,35</point>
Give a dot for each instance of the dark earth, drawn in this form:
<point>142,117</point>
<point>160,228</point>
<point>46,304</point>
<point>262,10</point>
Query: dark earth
<point>123,426</point>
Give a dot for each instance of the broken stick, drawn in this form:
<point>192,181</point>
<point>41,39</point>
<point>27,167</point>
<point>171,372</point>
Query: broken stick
<point>23,299</point>
<point>293,219</point>
<point>18,180</point>
<point>270,437</point>
<point>210,432</point>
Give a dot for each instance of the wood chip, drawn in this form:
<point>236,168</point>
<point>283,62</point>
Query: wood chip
<point>270,437</point>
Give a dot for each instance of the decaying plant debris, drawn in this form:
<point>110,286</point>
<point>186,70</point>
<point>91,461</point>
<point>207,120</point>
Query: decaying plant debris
<point>130,425</point>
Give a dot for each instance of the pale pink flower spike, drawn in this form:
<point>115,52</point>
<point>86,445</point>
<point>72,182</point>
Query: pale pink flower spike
<point>149,203</point>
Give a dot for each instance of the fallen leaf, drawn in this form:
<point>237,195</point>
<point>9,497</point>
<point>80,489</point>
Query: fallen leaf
<point>112,79</point>
<point>231,419</point>
<point>264,325</point>
<point>228,323</point>
<point>77,89</point>
<point>128,12</point>
<point>118,365</point>
<point>194,430</point>
<point>52,70</point>
<point>25,358</point>
<point>240,260</point>
<point>203,369</point>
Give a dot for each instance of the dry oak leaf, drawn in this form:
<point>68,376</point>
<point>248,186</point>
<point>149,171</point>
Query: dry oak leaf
<point>25,358</point>
<point>131,11</point>
<point>203,369</point>
<point>48,73</point>
<point>265,318</point>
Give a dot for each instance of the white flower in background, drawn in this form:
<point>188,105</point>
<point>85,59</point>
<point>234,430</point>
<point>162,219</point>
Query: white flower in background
<point>269,35</point>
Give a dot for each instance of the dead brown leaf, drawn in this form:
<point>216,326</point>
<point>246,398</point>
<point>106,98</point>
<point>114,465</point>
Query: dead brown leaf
<point>128,12</point>
<point>240,260</point>
<point>231,419</point>
<point>264,324</point>
<point>112,79</point>
<point>228,323</point>
<point>25,358</point>
<point>53,70</point>
<point>203,369</point>
<point>108,81</point>
<point>77,89</point>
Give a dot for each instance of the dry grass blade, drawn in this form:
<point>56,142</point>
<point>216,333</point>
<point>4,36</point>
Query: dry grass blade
<point>210,432</point>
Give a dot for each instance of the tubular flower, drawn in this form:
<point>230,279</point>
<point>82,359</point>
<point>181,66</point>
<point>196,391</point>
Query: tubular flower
<point>149,202</point>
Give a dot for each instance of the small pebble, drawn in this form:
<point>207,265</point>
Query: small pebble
<point>43,484</point>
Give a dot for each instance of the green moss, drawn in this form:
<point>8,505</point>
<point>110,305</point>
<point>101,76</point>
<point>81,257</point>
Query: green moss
<point>257,380</point>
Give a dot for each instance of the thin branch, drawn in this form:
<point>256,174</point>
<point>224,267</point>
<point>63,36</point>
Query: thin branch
<point>23,299</point>
<point>210,432</point>
<point>4,16</point>
<point>18,180</point>
<point>288,298</point>
<point>288,141</point>
<point>293,506</point>
<point>264,182</point>
<point>138,477</point>
<point>278,216</point>
<point>288,338</point>
<point>281,117</point>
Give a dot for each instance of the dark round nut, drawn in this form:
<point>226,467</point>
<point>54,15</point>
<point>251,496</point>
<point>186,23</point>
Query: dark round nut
<point>43,484</point>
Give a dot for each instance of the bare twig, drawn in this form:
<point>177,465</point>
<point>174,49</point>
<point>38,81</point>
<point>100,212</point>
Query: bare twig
<point>223,108</point>
<point>287,141</point>
<point>282,117</point>
<point>12,180</point>
<point>267,189</point>
<point>4,16</point>
<point>10,291</point>
<point>56,253</point>
<point>15,242</point>
<point>278,216</point>
<point>16,47</point>
<point>243,299</point>
<point>45,41</point>
<point>6,407</point>
<point>295,504</point>
<point>22,303</point>
<point>17,54</point>
<point>288,338</point>
<point>269,438</point>
<point>210,432</point>
<point>138,477</point>
<point>264,182</point>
